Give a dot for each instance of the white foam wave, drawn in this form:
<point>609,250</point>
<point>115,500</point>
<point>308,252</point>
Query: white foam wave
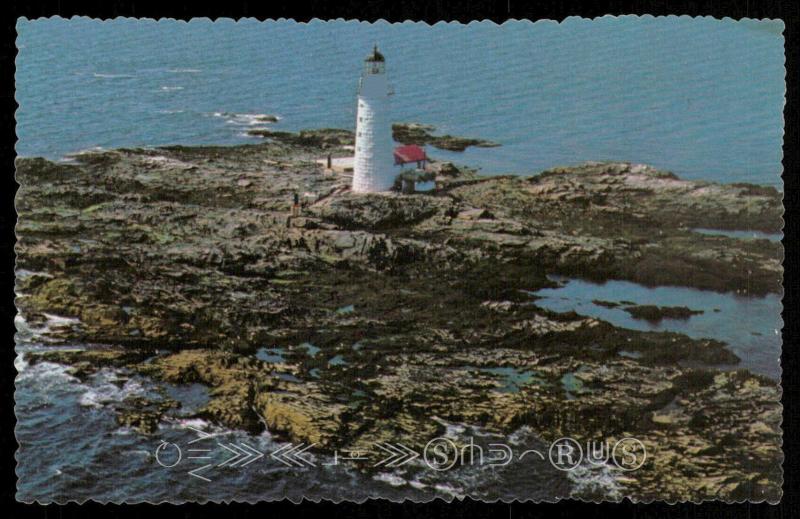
<point>28,333</point>
<point>419,485</point>
<point>194,423</point>
<point>520,436</point>
<point>44,374</point>
<point>191,426</point>
<point>111,76</point>
<point>87,151</point>
<point>104,391</point>
<point>20,364</point>
<point>452,429</point>
<point>450,490</point>
<point>248,135</point>
<point>25,273</point>
<point>185,70</point>
<point>161,161</point>
<point>247,119</point>
<point>24,330</point>
<point>591,478</point>
<point>171,88</point>
<point>391,479</point>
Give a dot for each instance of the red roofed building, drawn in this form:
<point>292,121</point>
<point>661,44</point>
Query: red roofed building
<point>408,154</point>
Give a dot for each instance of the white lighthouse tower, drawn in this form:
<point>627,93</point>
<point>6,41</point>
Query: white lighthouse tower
<point>373,167</point>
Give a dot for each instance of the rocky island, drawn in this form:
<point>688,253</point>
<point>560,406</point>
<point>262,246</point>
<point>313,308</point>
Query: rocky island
<point>391,313</point>
<point>416,133</point>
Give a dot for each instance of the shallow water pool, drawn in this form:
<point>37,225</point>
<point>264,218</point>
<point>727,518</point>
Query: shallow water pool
<point>749,325</point>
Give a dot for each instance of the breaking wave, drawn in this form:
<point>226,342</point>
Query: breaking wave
<point>108,387</point>
<point>101,75</point>
<point>246,119</point>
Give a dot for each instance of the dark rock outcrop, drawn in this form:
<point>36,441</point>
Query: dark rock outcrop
<point>415,133</point>
<point>657,313</point>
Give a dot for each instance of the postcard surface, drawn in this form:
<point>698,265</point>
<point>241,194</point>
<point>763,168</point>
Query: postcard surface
<point>343,260</point>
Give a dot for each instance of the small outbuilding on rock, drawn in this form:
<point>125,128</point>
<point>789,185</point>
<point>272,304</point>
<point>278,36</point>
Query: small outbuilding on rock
<point>410,153</point>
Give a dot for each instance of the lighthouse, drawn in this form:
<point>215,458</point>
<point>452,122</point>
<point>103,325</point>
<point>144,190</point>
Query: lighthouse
<point>373,167</point>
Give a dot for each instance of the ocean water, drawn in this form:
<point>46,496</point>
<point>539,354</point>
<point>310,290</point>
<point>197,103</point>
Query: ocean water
<point>71,449</point>
<point>700,97</point>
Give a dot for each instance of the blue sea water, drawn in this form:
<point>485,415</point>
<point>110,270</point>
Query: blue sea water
<point>700,97</point>
<point>71,449</point>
